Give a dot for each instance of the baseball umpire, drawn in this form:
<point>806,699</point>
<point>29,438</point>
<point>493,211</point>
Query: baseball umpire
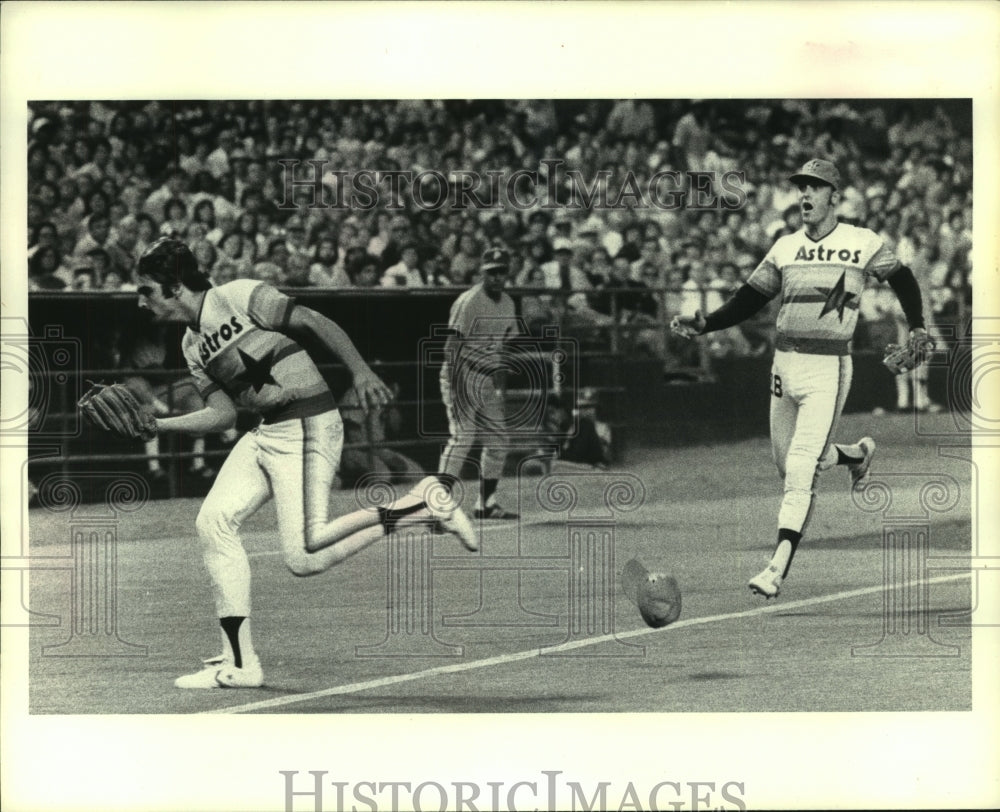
<point>244,347</point>
<point>820,272</point>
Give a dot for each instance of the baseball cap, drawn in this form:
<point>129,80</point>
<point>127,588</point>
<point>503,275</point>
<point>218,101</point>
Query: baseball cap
<point>656,595</point>
<point>495,258</point>
<point>818,169</point>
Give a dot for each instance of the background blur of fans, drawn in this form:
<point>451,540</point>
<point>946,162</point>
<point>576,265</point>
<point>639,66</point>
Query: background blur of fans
<point>107,178</point>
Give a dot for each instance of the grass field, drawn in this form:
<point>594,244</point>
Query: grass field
<point>708,518</point>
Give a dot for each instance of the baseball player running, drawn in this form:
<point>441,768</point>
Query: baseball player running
<point>820,272</point>
<point>472,381</point>
<point>243,346</point>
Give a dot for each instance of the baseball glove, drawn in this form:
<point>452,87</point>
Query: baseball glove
<point>114,408</point>
<point>904,357</point>
<point>656,594</point>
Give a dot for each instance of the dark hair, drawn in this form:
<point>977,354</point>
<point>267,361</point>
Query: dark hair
<point>202,205</point>
<point>99,193</point>
<point>169,262</point>
<point>143,217</point>
<point>36,231</point>
<point>173,203</point>
<point>37,262</point>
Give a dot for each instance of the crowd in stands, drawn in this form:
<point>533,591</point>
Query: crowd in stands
<point>105,179</point>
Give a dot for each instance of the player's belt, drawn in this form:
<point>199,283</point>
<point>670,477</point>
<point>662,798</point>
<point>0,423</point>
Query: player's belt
<point>813,346</point>
<point>304,407</point>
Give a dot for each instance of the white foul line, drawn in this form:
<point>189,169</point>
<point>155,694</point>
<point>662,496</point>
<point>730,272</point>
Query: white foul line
<point>503,659</point>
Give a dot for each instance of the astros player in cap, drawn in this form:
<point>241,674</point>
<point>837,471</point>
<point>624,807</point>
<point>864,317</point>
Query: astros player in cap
<point>820,273</point>
<point>244,347</point>
<point>482,319</point>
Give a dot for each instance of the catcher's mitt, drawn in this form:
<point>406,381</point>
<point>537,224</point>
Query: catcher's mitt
<point>902,358</point>
<point>114,408</point>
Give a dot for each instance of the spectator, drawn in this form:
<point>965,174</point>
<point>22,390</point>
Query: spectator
<point>206,255</point>
<point>599,268</point>
<point>83,280</point>
<point>175,217</point>
<point>98,236</point>
<point>269,272</point>
<point>97,204</point>
<point>537,311</point>
<point>436,273</point>
<point>44,235</point>
<point>148,232</point>
<point>406,272</point>
<point>99,262</point>
<point>113,281</point>
<point>327,269</point>
<point>691,138</point>
<point>631,119</point>
<point>118,163</point>
<point>632,238</point>
<point>367,275</point>
<point>651,256</point>
<point>465,262</point>
<point>122,246</point>
<point>563,275</point>
<point>174,188</point>
<point>204,213</point>
<point>46,270</point>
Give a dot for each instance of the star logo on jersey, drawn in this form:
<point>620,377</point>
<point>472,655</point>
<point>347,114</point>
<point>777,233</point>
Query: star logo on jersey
<point>836,298</point>
<point>257,373</point>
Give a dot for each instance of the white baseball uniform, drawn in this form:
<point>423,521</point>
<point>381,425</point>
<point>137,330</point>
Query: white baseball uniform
<point>820,282</point>
<point>238,346</point>
<point>473,402</point>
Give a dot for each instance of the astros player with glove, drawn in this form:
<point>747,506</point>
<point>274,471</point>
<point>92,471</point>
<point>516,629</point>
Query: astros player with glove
<point>819,272</point>
<point>244,347</point>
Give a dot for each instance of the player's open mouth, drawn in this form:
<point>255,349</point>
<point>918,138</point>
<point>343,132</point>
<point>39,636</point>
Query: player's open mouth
<point>807,207</point>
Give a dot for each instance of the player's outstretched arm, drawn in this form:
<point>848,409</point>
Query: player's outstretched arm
<point>309,326</point>
<point>740,306</point>
<point>904,284</point>
<point>688,326</point>
<point>919,344</point>
<point>219,414</point>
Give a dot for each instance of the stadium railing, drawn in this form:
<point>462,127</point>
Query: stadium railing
<point>599,357</point>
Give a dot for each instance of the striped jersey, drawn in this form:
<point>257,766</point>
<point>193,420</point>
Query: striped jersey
<point>238,345</point>
<point>821,281</point>
<point>483,326</point>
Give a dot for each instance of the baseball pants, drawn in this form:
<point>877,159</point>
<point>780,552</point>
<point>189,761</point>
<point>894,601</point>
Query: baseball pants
<point>476,412</point>
<point>294,462</point>
<point>807,396</point>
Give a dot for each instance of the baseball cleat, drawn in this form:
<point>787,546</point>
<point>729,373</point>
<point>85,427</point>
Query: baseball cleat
<point>447,514</point>
<point>860,470</point>
<point>225,675</point>
<point>494,512</point>
<point>767,583</point>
